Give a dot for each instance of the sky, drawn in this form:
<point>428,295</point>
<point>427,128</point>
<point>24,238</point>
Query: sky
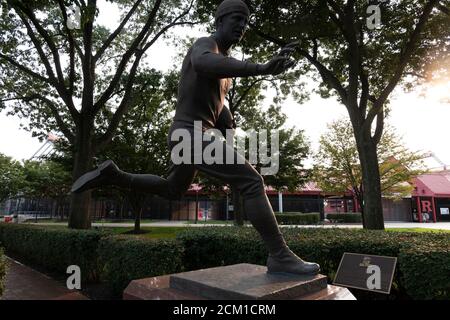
<point>422,121</point>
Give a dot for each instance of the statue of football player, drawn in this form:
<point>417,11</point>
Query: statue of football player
<point>204,83</point>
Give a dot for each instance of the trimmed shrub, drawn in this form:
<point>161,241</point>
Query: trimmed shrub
<point>2,271</point>
<point>53,248</point>
<point>124,258</point>
<point>218,246</point>
<point>298,218</point>
<point>426,270</point>
<point>345,217</point>
<point>212,246</point>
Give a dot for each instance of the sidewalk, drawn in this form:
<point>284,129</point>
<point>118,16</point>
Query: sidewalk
<point>24,283</point>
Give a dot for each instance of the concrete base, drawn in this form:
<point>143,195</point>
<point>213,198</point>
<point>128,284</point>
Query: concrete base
<point>235,282</point>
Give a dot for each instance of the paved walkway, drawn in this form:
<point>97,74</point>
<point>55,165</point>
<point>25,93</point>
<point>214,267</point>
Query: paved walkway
<point>24,283</point>
<point>430,225</point>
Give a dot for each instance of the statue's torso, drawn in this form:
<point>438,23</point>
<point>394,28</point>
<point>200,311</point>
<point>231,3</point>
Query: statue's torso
<point>200,98</point>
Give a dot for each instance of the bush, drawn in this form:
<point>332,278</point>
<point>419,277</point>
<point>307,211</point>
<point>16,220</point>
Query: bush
<point>297,218</point>
<point>124,258</point>
<point>426,270</point>
<point>218,246</point>
<point>212,246</point>
<point>2,271</point>
<point>53,248</point>
<point>345,217</point>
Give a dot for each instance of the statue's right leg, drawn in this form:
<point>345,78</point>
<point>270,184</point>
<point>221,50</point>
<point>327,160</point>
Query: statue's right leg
<point>108,174</point>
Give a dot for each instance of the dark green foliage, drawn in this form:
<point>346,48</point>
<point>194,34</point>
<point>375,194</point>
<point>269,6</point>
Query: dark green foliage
<point>53,248</point>
<point>210,247</point>
<point>422,272</point>
<point>297,218</point>
<point>2,271</point>
<point>345,217</point>
<point>426,269</point>
<point>123,259</point>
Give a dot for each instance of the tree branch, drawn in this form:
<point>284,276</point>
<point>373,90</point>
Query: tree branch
<point>326,74</point>
<point>379,128</point>
<point>25,69</point>
<point>354,57</point>
<point>61,124</point>
<point>119,29</point>
<point>404,59</point>
<point>39,49</point>
<point>126,58</point>
<point>363,101</point>
<point>58,84</point>
<point>125,104</point>
<point>71,49</point>
<point>54,109</point>
<point>247,91</point>
<point>444,9</point>
<point>140,53</point>
<point>47,39</point>
<point>87,62</point>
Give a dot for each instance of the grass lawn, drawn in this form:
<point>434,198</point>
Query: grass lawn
<point>96,221</point>
<point>123,221</point>
<point>419,230</point>
<point>230,222</point>
<point>150,232</point>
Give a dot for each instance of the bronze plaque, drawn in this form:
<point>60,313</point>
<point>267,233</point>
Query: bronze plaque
<point>366,272</point>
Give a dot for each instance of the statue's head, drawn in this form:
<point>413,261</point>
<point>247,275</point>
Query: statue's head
<point>232,20</point>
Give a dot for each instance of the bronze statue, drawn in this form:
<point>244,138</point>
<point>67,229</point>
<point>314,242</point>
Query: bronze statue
<point>204,83</point>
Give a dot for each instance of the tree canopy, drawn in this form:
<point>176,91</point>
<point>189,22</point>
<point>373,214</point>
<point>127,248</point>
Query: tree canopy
<point>65,77</point>
<point>337,168</point>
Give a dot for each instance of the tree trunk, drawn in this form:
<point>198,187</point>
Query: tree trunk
<point>137,220</point>
<point>237,209</point>
<point>373,208</point>
<point>361,205</point>
<point>83,159</point>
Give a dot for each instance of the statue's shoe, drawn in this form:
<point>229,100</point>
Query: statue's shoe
<point>288,262</point>
<point>103,175</point>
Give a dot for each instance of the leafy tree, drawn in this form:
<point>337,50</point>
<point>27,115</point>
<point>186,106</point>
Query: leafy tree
<point>63,78</point>
<point>359,65</point>
<point>338,169</point>
<point>45,179</point>
<point>11,177</point>
<point>140,145</point>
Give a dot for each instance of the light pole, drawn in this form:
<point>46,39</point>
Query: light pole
<point>196,188</point>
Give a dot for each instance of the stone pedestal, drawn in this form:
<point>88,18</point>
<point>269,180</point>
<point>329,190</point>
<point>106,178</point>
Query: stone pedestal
<point>235,282</point>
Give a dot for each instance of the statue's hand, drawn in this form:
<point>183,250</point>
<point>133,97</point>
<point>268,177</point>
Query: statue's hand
<point>281,62</point>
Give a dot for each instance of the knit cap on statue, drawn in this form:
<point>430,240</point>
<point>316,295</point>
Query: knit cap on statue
<point>229,6</point>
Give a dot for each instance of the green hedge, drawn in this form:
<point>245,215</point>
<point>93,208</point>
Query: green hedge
<point>297,218</point>
<point>2,271</point>
<point>216,246</point>
<point>423,266</point>
<point>125,258</point>
<point>426,270</point>
<point>116,260</point>
<point>210,247</point>
<point>53,248</point>
<point>345,217</point>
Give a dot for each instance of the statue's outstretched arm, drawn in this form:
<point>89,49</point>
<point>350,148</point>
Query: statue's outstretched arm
<point>206,60</point>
